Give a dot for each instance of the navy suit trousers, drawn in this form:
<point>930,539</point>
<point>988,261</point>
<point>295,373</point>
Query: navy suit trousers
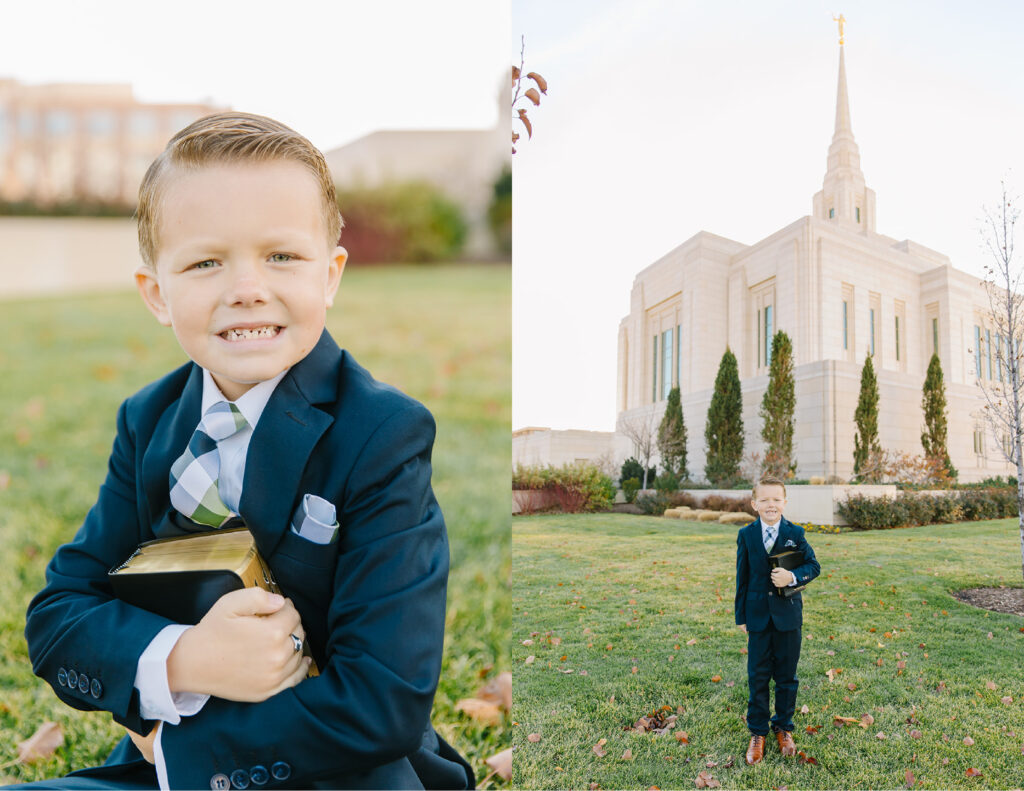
<point>772,654</point>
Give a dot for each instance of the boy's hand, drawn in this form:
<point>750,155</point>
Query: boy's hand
<point>782,577</point>
<point>144,743</point>
<point>241,650</point>
<point>743,628</point>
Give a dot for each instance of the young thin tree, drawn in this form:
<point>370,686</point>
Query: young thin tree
<point>672,437</point>
<point>723,431</point>
<point>642,432</point>
<point>933,403</point>
<point>777,408</point>
<point>1004,395</point>
<point>865,438</point>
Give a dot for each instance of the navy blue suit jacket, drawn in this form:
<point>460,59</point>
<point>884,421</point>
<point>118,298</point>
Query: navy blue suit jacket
<point>756,600</point>
<point>372,603</point>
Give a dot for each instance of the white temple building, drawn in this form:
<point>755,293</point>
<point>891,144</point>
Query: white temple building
<point>840,290</point>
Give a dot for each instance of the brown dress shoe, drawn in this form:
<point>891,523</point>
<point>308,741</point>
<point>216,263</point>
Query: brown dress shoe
<point>786,744</point>
<point>755,752</point>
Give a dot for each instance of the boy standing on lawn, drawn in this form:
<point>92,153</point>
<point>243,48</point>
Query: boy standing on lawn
<point>771,621</point>
<point>270,425</point>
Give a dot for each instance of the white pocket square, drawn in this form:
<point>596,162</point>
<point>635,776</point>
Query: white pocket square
<point>790,543</point>
<point>315,520</point>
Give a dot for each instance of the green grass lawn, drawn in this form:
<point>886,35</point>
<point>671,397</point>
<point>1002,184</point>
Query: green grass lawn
<point>611,603</point>
<point>441,333</point>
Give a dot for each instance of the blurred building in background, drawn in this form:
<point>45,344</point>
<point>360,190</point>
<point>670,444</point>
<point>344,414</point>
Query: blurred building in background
<point>463,164</point>
<point>71,142</point>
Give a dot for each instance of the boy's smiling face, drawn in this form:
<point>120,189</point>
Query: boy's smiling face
<point>768,501</point>
<point>244,272</point>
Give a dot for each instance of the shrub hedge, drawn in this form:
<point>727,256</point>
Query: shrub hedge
<point>576,487</point>
<point>907,508</point>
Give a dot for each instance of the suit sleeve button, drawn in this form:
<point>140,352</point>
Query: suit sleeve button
<point>240,778</point>
<point>72,679</point>
<point>83,683</point>
<point>62,677</point>
<point>281,771</point>
<point>96,689</point>
<point>259,775</point>
<point>220,782</point>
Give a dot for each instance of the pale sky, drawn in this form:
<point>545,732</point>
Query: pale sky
<point>665,117</point>
<point>332,69</point>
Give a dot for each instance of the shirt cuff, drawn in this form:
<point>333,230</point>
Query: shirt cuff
<point>158,760</point>
<point>156,701</point>
<point>793,582</point>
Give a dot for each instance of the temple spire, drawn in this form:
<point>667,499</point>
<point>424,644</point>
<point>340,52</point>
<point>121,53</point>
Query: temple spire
<point>843,126</point>
<point>844,197</point>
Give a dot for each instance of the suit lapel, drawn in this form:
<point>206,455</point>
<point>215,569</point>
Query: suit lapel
<point>170,437</point>
<point>784,533</point>
<point>283,441</point>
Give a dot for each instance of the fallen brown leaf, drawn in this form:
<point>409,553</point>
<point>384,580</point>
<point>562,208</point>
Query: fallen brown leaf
<point>866,720</point>
<point>684,738</point>
<point>1006,700</point>
<point>498,691</point>
<point>530,660</point>
<point>990,685</point>
<point>910,779</point>
<point>811,729</point>
<point>627,755</point>
<point>804,709</point>
<point>483,711</point>
<point>968,741</point>
<point>716,678</point>
<point>692,641</point>
<point>705,780</point>
<point>533,737</point>
<point>598,748</point>
<point>42,744</point>
<point>501,763</point>
<point>972,772</point>
<point>916,734</point>
<point>881,735</point>
<point>806,759</point>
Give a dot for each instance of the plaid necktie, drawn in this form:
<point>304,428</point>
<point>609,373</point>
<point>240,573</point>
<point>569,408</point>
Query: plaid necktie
<point>194,475</point>
<point>769,538</point>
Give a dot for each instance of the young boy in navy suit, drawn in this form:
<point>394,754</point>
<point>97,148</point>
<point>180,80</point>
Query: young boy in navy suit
<point>772,622</point>
<point>270,425</point>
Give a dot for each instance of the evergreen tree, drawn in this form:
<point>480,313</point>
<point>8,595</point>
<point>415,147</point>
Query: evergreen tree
<point>933,402</point>
<point>672,437</point>
<point>723,432</point>
<point>777,409</point>
<point>865,438</point>
<point>631,468</point>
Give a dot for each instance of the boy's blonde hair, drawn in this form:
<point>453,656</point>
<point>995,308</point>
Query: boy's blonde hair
<point>225,138</point>
<point>768,480</point>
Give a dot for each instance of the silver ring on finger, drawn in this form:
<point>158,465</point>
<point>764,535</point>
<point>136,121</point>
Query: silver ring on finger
<point>296,643</point>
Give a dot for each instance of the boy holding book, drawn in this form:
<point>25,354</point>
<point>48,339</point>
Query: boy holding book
<point>271,426</point>
<point>771,621</point>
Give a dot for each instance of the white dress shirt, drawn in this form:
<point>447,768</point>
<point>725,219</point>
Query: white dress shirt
<point>764,535</point>
<point>156,701</point>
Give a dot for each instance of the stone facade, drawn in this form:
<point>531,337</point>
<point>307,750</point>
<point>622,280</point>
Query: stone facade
<point>841,290</point>
<point>463,163</point>
<point>535,446</point>
<point>74,141</point>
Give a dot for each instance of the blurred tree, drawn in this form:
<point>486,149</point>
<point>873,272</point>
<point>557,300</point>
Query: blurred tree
<point>499,213</point>
<point>404,222</point>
